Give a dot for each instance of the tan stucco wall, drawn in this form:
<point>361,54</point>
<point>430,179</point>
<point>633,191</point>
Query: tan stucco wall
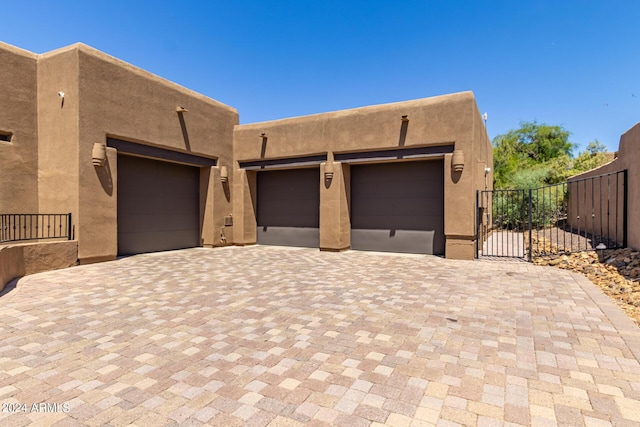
<point>484,181</point>
<point>244,207</point>
<point>126,102</point>
<point>449,119</point>
<point>20,259</point>
<point>18,115</point>
<point>629,159</point>
<point>335,225</point>
<point>58,133</point>
<point>107,97</point>
<point>11,264</point>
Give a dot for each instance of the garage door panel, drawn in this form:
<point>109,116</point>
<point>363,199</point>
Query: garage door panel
<point>387,215</point>
<point>402,241</point>
<point>398,207</point>
<point>158,205</point>
<point>289,236</point>
<point>288,208</point>
<point>407,222</point>
<point>164,240</point>
<point>150,205</point>
<point>138,222</point>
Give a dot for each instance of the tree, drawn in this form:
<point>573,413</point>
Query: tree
<point>593,156</point>
<point>595,147</point>
<point>531,145</point>
<point>534,156</point>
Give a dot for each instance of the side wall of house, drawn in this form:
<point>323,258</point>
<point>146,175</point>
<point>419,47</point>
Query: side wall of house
<point>483,179</point>
<point>58,132</point>
<point>19,123</point>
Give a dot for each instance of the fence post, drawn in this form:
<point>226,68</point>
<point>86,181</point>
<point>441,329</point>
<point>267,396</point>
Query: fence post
<point>624,207</point>
<point>477,221</point>
<point>530,224</point>
<point>69,223</point>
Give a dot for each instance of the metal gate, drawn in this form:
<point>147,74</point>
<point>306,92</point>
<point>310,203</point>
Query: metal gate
<point>577,215</point>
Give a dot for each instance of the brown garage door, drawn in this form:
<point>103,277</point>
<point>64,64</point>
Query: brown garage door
<point>398,207</point>
<point>158,205</point>
<point>289,207</point>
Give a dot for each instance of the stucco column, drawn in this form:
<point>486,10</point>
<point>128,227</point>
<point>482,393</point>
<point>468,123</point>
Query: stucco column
<point>215,204</point>
<point>96,225</point>
<point>335,225</point>
<point>459,208</point>
<point>244,207</point>
<point>207,206</point>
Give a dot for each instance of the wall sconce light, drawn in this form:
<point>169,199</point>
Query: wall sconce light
<point>405,118</point>
<point>328,171</point>
<point>61,94</point>
<point>487,171</point>
<point>263,135</point>
<point>99,154</point>
<point>181,109</point>
<point>224,174</point>
<point>457,161</point>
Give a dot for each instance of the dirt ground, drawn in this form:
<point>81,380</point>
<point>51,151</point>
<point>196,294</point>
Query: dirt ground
<point>566,240</point>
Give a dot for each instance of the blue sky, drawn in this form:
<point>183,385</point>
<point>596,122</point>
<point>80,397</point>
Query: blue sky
<point>572,63</point>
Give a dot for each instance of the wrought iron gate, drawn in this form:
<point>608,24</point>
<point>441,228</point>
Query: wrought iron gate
<point>577,215</point>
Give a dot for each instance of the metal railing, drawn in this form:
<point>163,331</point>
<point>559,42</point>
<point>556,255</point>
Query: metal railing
<point>577,215</point>
<point>19,227</point>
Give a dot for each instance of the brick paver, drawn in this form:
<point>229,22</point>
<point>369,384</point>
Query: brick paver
<point>268,336</point>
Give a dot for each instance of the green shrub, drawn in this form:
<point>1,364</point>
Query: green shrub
<point>510,208</point>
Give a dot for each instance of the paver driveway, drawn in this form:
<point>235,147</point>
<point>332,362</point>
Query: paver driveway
<point>277,336</point>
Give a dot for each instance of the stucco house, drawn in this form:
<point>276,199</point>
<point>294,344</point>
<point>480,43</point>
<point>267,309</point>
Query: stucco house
<point>143,165</point>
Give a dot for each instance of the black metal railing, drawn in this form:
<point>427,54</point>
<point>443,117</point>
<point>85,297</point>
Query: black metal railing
<point>18,227</point>
<point>596,211</point>
<point>503,220</point>
<point>577,215</point>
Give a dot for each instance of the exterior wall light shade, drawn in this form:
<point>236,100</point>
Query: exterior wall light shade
<point>181,109</point>
<point>328,170</point>
<point>457,161</point>
<point>99,154</point>
<point>405,118</point>
<point>224,174</point>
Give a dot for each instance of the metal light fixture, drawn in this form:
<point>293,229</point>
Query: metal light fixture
<point>180,109</point>
<point>224,174</point>
<point>99,154</point>
<point>405,118</point>
<point>263,135</point>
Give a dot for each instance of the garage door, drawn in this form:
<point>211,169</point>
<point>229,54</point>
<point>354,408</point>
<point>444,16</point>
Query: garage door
<point>288,210</point>
<point>398,207</point>
<point>158,205</point>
